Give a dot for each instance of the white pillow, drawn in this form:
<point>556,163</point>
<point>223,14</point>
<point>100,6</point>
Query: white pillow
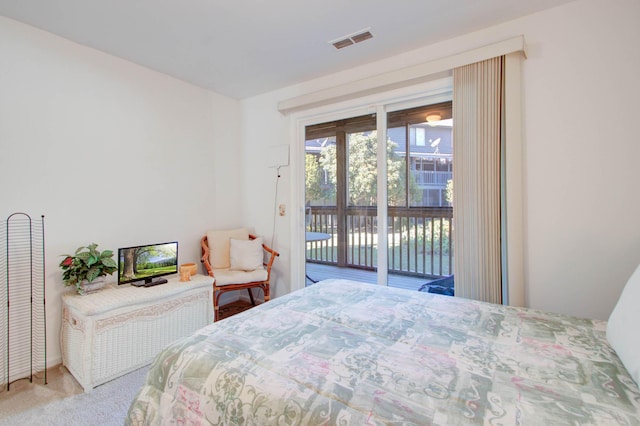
<point>246,255</point>
<point>219,245</point>
<point>622,328</point>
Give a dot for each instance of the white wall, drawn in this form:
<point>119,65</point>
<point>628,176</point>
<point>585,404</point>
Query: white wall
<point>580,91</point>
<point>109,152</point>
<point>259,185</point>
<point>116,154</point>
<point>581,168</point>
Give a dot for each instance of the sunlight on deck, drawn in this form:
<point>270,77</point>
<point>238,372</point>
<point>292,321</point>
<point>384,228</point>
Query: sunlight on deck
<point>323,272</point>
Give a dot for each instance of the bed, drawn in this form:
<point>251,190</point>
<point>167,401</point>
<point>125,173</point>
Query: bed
<point>348,353</point>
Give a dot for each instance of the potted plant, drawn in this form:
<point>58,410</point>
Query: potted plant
<point>85,268</point>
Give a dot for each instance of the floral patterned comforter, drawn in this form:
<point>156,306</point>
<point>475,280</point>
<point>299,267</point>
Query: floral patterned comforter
<point>347,353</point>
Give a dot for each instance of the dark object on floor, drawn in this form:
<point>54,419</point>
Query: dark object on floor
<point>439,286</point>
<point>233,308</point>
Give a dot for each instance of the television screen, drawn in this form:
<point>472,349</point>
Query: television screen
<point>144,263</point>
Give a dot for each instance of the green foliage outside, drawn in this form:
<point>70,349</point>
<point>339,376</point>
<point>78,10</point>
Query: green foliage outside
<point>430,233</point>
<point>362,174</point>
<point>449,192</point>
<point>313,182</point>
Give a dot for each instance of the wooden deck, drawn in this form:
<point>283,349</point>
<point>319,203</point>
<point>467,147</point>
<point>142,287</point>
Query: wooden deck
<point>322,272</point>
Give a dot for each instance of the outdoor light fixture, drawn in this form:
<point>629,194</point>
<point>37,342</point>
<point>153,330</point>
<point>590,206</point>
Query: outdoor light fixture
<point>433,116</point>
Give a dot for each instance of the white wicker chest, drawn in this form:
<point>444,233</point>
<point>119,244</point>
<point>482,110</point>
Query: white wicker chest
<point>118,329</point>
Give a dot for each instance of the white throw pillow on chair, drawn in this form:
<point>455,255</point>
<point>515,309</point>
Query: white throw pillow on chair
<point>246,255</point>
<point>219,248</point>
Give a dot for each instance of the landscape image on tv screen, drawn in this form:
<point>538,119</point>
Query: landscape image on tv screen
<point>146,262</point>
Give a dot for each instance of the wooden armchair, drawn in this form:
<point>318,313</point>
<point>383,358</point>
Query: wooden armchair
<point>235,258</point>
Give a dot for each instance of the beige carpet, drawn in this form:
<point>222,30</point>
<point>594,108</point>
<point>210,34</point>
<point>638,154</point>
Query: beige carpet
<point>107,404</point>
<point>62,400</point>
<point>24,394</point>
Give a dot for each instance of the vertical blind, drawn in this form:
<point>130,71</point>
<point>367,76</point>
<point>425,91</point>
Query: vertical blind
<point>477,108</point>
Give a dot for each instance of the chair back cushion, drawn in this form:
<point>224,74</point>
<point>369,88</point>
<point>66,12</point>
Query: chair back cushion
<point>219,245</point>
<point>246,255</point>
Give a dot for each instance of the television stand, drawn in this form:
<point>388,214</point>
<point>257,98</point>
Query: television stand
<point>149,283</point>
<point>156,282</point>
<point>113,331</point>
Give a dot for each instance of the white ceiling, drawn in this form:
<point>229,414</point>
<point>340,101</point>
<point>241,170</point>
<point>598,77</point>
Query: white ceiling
<point>241,48</point>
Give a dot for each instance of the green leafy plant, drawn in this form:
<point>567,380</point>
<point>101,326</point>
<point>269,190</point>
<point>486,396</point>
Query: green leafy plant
<point>87,263</point>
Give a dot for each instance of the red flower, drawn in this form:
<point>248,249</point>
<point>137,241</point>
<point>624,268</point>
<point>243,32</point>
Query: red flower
<point>68,261</point>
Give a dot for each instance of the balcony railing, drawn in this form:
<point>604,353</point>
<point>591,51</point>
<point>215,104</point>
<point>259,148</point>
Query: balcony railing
<point>419,239</point>
<point>423,177</point>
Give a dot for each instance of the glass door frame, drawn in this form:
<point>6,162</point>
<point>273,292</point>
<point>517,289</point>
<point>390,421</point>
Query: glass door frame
<point>442,93</point>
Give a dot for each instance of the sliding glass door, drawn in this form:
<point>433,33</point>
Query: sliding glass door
<point>419,195</point>
<point>340,199</point>
<point>341,194</point>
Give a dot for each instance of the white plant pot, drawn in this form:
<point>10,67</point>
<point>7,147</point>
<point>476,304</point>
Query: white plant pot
<point>95,285</point>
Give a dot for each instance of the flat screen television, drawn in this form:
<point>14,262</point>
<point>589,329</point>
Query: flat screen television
<point>143,265</point>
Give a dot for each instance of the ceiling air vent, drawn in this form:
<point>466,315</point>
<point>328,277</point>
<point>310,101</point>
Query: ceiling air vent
<point>350,39</point>
<point>342,43</point>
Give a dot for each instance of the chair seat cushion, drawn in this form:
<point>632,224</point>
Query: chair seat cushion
<point>227,276</point>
